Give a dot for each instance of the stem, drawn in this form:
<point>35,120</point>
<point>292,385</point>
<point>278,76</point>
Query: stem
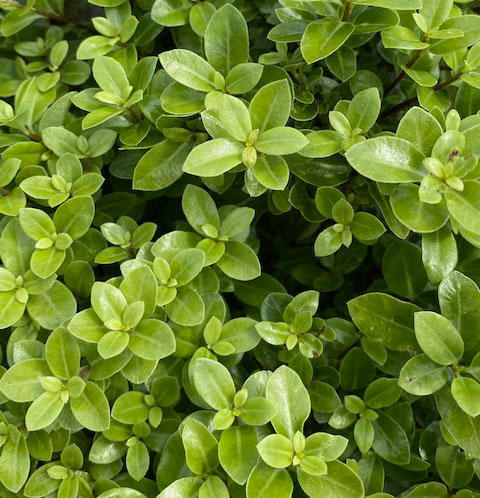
<point>399,107</point>
<point>48,15</point>
<point>84,371</point>
<point>402,73</point>
<point>450,80</point>
<point>347,10</point>
<point>412,100</point>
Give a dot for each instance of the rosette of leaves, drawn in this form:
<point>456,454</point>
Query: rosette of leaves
<point>47,301</point>
<point>181,301</point>
<point>255,137</point>
<point>255,411</point>
<point>136,422</point>
<point>127,321</point>
<point>119,92</point>
<point>127,238</point>
<point>55,387</point>
<point>53,237</point>
<point>198,83</point>
<point>223,234</point>
<point>447,363</point>
<point>68,181</point>
<point>64,142</point>
<point>365,227</point>
<point>299,326</point>
<point>350,120</point>
<point>63,476</point>
<point>117,27</point>
<point>441,157</point>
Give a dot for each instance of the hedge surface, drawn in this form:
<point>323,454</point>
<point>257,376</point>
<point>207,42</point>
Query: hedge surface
<point>240,248</point>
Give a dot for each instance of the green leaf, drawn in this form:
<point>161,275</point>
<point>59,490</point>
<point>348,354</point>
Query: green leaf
<point>161,166</point>
<point>459,298</point>
<point>43,411</point>
<point>421,376</point>
<point>340,482</point>
<point>286,392</point>
<point>187,486</point>
<point>464,429</point>
<point>464,206</point>
<point>269,483</point>
<point>53,307</point>
<point>328,242</point>
<point>386,319</point>
<point>138,460</point>
<point>419,128</point>
<point>415,214</point>
<point>276,451</point>
<point>11,310</point>
<point>234,117</point>
<point>186,265</point>
<point>323,37</point>
<point>466,393</point>
<point>387,159</point>
<point>226,39</point>
<point>62,354</point>
<point>61,141</point>
<point>91,408</point>
<point>201,447</point>
<point>110,76</point>
<point>270,107</point>
<point>400,37</point>
<point>75,216</point>
<point>239,261</point>
<point>469,24</point>
<point>364,109</point>
<point>403,270</point>
<point>36,224</point>
<point>14,461</point>
<point>108,301</point>
<point>189,69</point>
<point>391,442</point>
<point>243,77</point>
<point>365,227</point>
<point>272,172</point>
<point>325,446</point>
<point>439,254</point>
<point>214,383</point>
<point>188,307</point>
<point>199,208</point>
<point>152,339</point>
<point>95,46</point>
<point>257,411</point>
<point>21,382</point>
<point>382,393</point>
<point>438,338</point>
<point>214,157</point>
<point>237,452</point>
<point>140,285</point>
<point>281,141</point>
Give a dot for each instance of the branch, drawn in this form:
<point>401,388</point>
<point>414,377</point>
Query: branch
<point>412,100</point>
<point>402,73</point>
<point>346,11</point>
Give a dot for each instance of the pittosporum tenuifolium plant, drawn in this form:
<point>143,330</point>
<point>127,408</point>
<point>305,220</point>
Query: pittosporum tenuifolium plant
<point>240,249</point>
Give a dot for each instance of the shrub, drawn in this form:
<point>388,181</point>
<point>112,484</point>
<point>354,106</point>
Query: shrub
<point>240,244</point>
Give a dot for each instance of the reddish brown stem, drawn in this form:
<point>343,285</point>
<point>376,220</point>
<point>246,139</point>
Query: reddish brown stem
<point>402,73</point>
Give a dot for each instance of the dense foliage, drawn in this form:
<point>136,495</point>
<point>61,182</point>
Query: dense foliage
<point>240,248</point>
